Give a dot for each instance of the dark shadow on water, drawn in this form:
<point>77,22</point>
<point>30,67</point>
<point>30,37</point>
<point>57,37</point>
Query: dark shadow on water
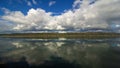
<point>55,62</point>
<point>12,64</point>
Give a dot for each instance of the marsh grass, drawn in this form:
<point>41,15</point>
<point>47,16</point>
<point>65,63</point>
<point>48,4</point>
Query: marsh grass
<point>87,35</point>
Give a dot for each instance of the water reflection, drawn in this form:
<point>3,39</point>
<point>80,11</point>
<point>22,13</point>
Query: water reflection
<point>71,53</point>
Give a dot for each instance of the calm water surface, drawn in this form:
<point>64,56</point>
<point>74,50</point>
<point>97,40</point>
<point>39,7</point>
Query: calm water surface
<point>59,53</point>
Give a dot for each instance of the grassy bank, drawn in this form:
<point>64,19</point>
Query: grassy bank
<point>88,35</point>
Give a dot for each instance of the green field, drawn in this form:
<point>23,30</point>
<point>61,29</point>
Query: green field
<point>87,35</point>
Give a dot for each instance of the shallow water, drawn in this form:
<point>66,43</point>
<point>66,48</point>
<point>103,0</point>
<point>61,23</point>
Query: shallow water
<point>60,53</point>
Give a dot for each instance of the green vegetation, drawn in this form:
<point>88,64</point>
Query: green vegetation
<point>87,35</point>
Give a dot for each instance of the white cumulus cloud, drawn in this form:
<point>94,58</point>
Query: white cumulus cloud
<point>101,14</point>
<point>5,26</point>
<point>76,3</point>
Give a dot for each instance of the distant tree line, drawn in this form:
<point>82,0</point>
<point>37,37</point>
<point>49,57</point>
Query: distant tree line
<point>63,35</point>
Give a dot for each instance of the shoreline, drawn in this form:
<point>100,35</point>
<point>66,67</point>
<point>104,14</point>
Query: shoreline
<point>86,35</point>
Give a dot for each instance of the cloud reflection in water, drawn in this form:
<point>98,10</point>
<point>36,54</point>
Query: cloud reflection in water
<point>91,53</point>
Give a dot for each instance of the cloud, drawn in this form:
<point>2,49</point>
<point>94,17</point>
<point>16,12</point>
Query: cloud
<point>5,26</point>
<point>77,3</point>
<point>30,21</point>
<point>29,3</point>
<point>52,3</point>
<point>6,11</point>
<point>101,14</point>
<point>34,2</point>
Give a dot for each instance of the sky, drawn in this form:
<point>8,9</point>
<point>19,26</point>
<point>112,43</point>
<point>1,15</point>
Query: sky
<point>20,15</point>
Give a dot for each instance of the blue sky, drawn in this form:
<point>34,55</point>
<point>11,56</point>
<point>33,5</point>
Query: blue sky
<point>57,6</point>
<point>19,15</point>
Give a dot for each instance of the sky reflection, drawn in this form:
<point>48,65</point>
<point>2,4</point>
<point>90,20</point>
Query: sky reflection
<point>89,53</point>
